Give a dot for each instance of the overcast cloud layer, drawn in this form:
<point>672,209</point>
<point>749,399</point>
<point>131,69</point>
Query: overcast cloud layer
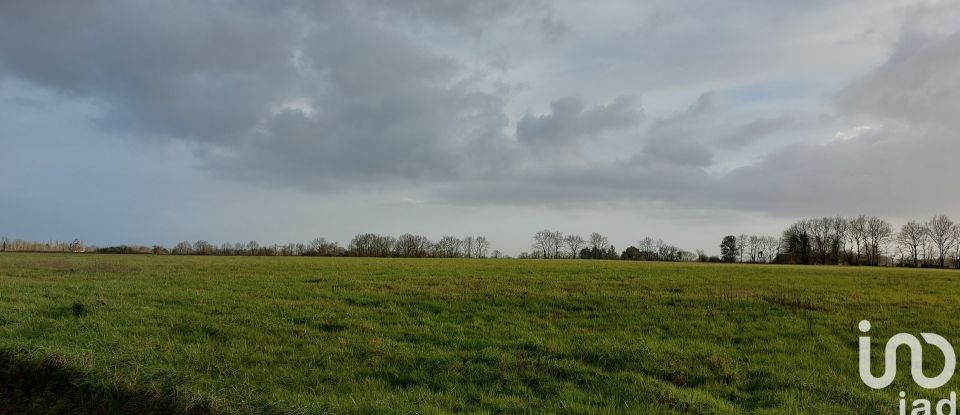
<point>158,121</point>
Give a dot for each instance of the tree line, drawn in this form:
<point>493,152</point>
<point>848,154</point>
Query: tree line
<point>362,245</point>
<point>828,240</point>
<point>418,246</point>
<point>548,244</point>
<point>20,245</point>
<point>858,240</point>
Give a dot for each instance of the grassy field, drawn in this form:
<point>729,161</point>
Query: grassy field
<point>155,334</point>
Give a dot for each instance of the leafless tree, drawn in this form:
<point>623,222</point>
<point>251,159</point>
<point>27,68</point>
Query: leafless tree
<point>289,249</point>
<point>372,245</point>
<point>820,230</point>
<point>468,247</point>
<point>667,252</point>
<point>911,237</point>
<point>448,247</point>
<point>753,248</point>
<point>480,247</point>
<point>741,246</point>
<point>411,246</point>
<point>942,233</point>
<point>841,228</point>
<point>363,245</point>
<point>548,243</point>
<point>879,232</point>
<point>183,248</point>
<point>202,247</point>
<point>253,248</point>
<point>542,243</point>
<point>556,244</point>
<point>647,247</point>
<point>573,243</point>
<point>770,248</point>
<point>322,247</point>
<point>858,234</point>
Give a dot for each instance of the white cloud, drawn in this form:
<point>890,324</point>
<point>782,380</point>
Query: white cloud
<point>852,133</point>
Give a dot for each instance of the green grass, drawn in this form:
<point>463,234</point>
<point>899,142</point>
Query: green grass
<point>154,334</point>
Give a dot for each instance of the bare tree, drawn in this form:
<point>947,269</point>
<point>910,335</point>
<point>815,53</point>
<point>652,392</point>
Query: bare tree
<point>183,248</point>
<point>202,247</point>
<point>753,248</point>
<point>911,237</point>
<point>667,252</point>
<point>647,247</point>
<point>384,245</point>
<point>574,243</point>
<point>741,246</point>
<point>942,232</point>
<point>858,233</point>
<point>542,242</point>
<point>770,248</point>
<point>363,245</point>
<point>411,246</point>
<point>820,230</point>
<point>480,247</point>
<point>841,227</point>
<point>879,232</point>
<point>556,244</point>
<point>468,247</point>
<point>548,243</point>
<point>253,248</point>
<point>448,247</point>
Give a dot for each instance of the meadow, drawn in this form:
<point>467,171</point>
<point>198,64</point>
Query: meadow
<point>301,335</point>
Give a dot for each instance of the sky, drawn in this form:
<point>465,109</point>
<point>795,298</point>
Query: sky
<point>152,122</point>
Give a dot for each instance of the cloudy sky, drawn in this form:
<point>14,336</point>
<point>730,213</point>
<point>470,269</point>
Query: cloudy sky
<point>159,121</point>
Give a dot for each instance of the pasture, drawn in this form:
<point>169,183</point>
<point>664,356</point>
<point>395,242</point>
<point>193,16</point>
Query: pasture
<point>302,335</point>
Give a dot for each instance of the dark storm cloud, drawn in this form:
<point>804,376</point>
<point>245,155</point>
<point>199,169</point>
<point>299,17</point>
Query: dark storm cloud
<point>332,95</point>
<point>288,94</point>
<point>195,70</point>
